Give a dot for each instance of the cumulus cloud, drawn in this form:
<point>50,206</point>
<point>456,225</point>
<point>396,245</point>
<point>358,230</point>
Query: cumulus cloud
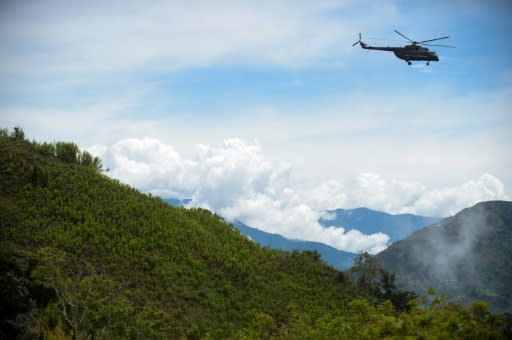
<point>150,166</point>
<point>396,196</point>
<point>450,200</point>
<point>237,181</point>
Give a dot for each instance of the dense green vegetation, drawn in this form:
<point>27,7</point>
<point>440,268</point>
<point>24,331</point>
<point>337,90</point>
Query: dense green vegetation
<point>84,256</point>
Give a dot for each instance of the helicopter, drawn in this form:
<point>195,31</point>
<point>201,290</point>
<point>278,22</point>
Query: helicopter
<point>414,51</point>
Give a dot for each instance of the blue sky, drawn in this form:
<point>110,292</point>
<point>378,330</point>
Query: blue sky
<point>269,103</point>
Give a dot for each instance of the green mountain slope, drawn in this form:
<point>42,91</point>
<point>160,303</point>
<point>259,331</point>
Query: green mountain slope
<point>187,267</point>
<point>84,256</point>
<point>467,257</point>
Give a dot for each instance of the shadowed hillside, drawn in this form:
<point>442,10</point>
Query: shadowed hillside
<point>468,256</point>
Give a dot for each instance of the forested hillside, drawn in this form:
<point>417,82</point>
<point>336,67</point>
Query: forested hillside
<point>84,256</point>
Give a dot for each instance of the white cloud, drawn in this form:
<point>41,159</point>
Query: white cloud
<point>150,166</point>
<point>236,180</point>
<point>395,196</point>
<point>448,201</point>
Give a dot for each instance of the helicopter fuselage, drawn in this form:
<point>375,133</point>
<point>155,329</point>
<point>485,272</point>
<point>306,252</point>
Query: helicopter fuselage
<point>407,53</point>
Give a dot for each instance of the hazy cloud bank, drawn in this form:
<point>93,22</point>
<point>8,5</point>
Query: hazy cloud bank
<point>237,181</point>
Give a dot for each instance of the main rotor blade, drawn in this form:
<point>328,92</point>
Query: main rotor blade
<point>433,39</point>
<point>387,40</point>
<point>438,45</point>
<point>404,36</point>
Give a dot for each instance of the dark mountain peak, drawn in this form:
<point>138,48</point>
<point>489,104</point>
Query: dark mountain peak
<point>503,208</point>
<point>493,204</point>
<point>466,256</point>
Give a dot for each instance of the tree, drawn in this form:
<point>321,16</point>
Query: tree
<point>371,277</point>
<point>366,272</point>
<point>46,148</point>
<point>96,162</point>
<point>86,159</point>
<point>67,152</point>
<point>18,133</point>
<point>386,290</point>
<point>90,303</point>
<point>20,297</point>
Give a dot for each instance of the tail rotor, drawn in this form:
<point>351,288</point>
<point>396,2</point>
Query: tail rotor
<point>357,42</point>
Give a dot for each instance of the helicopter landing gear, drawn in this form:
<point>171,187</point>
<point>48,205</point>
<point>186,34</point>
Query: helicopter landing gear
<point>408,62</point>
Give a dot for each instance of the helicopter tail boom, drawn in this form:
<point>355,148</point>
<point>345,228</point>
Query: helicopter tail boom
<point>368,47</point>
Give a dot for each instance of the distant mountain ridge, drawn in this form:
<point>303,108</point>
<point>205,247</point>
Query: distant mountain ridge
<point>370,221</point>
<point>337,258</point>
<point>365,220</point>
<point>468,256</point>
